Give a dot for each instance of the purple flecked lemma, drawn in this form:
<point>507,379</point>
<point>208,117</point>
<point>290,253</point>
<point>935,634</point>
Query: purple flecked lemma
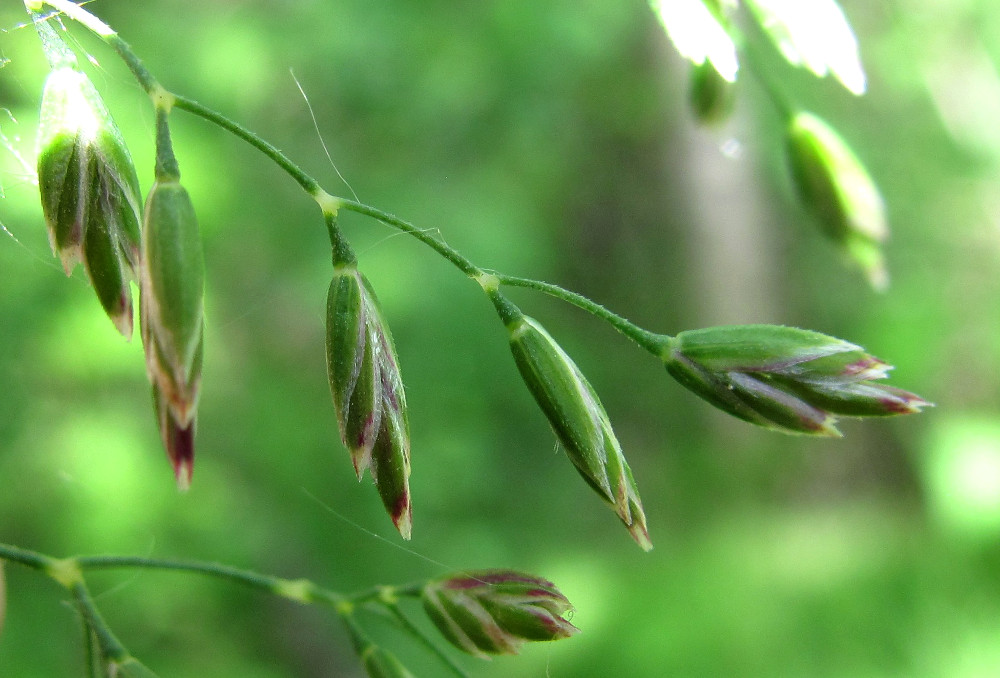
<point>785,378</point>
<point>496,611</point>
<point>579,421</point>
<point>171,308</point>
<point>87,183</point>
<point>367,390</point>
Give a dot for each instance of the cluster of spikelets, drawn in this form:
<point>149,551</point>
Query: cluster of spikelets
<point>782,378</point>
<point>779,377</point>
<point>91,203</point>
<point>483,613</point>
<point>92,207</point>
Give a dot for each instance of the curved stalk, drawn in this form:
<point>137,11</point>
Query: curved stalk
<point>300,590</point>
<point>69,572</point>
<point>110,647</point>
<point>330,203</point>
<point>308,184</point>
<point>425,640</point>
<point>650,341</point>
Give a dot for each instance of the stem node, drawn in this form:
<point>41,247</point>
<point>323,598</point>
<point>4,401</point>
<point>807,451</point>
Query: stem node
<point>299,590</point>
<point>65,571</point>
<point>163,99</point>
<point>328,203</point>
<point>489,282</point>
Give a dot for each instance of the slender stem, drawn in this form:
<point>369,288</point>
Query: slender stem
<point>359,640</point>
<point>145,78</point>
<point>386,593</point>
<point>330,204</point>
<point>74,12</point>
<point>452,255</point>
<point>213,569</point>
<point>308,184</point>
<point>425,640</point>
<point>167,169</point>
<point>505,308</point>
<point>650,341</point>
<point>35,561</point>
<point>150,85</point>
<point>751,58</point>
<point>111,647</point>
<point>301,590</point>
<point>343,253</point>
<point>90,650</point>
<point>647,340</point>
<point>414,590</point>
<point>68,572</point>
<point>77,13</point>
<point>366,596</point>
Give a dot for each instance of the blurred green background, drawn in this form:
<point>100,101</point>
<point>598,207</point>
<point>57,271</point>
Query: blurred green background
<point>550,140</point>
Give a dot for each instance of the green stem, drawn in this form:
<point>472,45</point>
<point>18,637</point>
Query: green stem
<point>69,571</point>
<point>111,647</point>
<point>650,341</point>
<point>299,590</point>
<point>35,561</point>
<point>330,204</point>
<point>359,641</point>
<point>90,650</point>
<point>167,169</point>
<point>425,640</point>
<point>452,255</point>
<point>308,184</point>
<point>252,579</point>
<point>145,78</point>
<point>386,593</point>
<point>343,254</point>
<point>754,65</point>
<point>505,308</point>
<point>366,596</point>
<point>82,16</point>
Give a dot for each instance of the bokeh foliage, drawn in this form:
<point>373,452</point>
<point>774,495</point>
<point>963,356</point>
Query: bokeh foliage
<point>550,140</point>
